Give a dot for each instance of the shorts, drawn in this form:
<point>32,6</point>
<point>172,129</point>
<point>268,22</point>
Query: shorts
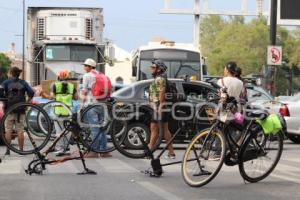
<point>12,122</point>
<point>164,118</point>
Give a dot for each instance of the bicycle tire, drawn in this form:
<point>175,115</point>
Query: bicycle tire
<point>36,144</point>
<point>251,150</point>
<point>203,170</point>
<point>85,135</point>
<point>136,153</point>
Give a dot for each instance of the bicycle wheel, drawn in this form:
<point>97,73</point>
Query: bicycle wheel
<point>259,158</point>
<point>56,118</point>
<point>95,128</point>
<point>14,121</point>
<point>120,139</point>
<point>203,157</point>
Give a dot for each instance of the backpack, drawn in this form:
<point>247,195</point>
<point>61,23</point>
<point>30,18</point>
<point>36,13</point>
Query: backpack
<point>102,87</point>
<point>16,94</point>
<point>171,92</point>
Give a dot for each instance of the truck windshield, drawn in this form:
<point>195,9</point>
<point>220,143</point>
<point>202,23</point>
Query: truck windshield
<point>77,53</point>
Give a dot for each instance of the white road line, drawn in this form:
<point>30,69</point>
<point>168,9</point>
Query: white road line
<point>296,160</point>
<point>115,166</point>
<point>10,167</point>
<point>159,191</point>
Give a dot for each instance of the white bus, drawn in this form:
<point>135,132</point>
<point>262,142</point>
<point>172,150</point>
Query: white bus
<point>181,59</point>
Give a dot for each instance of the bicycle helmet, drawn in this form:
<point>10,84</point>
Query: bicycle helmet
<point>63,74</point>
<point>160,64</point>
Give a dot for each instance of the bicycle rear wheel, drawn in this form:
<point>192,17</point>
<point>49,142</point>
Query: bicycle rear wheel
<point>14,121</point>
<point>120,139</point>
<point>203,157</point>
<point>95,128</point>
<point>259,158</point>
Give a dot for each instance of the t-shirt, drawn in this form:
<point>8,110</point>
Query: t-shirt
<point>234,86</point>
<point>88,81</point>
<point>158,85</point>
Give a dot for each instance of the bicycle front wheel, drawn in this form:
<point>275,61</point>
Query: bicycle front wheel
<point>120,138</point>
<point>259,156</point>
<point>16,131</point>
<point>203,157</point>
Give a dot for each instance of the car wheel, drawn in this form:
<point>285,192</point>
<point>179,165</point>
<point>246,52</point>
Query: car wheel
<point>294,138</point>
<point>132,140</point>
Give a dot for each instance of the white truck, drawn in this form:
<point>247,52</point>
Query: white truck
<point>62,38</point>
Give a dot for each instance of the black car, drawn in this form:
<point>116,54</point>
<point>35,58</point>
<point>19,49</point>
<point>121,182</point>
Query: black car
<point>191,94</point>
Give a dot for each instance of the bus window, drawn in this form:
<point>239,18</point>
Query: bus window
<point>145,70</point>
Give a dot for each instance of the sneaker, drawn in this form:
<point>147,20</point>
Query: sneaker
<point>62,153</point>
<point>170,156</point>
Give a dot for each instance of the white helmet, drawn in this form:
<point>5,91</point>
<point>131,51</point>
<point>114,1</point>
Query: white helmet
<point>90,62</point>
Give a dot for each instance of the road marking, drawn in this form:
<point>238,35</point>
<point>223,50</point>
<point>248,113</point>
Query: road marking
<point>115,166</point>
<point>159,191</point>
<point>10,167</point>
<point>296,160</point>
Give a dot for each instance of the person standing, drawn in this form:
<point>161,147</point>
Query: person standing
<point>96,88</point>
<point>15,90</point>
<point>62,91</point>
<point>157,101</point>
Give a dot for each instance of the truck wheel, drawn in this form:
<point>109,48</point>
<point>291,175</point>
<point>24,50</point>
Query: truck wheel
<point>294,138</point>
<point>132,140</point>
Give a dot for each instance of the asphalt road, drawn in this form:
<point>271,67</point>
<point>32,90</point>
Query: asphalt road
<point>120,178</point>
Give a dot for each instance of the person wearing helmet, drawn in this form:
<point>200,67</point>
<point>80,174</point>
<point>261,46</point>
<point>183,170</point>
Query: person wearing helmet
<point>95,115</point>
<point>157,102</point>
<point>62,91</point>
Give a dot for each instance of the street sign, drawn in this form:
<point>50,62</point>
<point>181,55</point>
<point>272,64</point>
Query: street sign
<point>274,55</point>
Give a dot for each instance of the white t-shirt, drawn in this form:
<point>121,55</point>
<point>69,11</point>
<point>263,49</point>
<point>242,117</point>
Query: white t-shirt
<point>88,80</point>
<point>234,86</point>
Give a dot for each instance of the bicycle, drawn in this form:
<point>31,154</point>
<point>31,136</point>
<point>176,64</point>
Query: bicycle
<point>188,127</point>
<point>209,149</point>
<point>86,128</point>
<point>35,144</point>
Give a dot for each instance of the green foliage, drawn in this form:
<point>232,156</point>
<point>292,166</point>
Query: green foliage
<point>223,40</point>
<point>4,66</point>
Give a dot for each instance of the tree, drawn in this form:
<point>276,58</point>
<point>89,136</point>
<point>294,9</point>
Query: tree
<point>233,39</point>
<point>4,66</point>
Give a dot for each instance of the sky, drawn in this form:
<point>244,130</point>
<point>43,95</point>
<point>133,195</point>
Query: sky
<point>128,23</point>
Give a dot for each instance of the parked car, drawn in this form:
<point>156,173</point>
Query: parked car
<point>290,110</point>
<point>194,92</point>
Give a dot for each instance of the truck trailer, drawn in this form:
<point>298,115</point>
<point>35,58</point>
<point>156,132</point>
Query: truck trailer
<point>62,38</point>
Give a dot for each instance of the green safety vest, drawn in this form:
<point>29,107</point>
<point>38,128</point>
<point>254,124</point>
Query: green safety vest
<point>65,98</point>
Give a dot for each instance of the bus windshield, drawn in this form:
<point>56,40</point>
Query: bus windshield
<point>179,63</point>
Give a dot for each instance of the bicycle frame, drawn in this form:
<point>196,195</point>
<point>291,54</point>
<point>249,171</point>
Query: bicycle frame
<point>41,160</point>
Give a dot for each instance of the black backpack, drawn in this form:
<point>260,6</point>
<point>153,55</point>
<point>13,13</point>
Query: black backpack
<point>16,94</point>
<point>171,92</point>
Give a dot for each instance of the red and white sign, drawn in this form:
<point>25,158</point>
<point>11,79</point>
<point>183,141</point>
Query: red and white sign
<point>274,55</point>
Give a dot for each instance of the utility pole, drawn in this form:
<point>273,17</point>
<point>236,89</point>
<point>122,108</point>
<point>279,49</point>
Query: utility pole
<point>273,31</point>
<point>23,58</point>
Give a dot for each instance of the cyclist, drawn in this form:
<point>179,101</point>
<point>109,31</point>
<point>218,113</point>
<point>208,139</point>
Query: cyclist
<point>233,85</point>
<point>63,91</point>
<point>157,102</point>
